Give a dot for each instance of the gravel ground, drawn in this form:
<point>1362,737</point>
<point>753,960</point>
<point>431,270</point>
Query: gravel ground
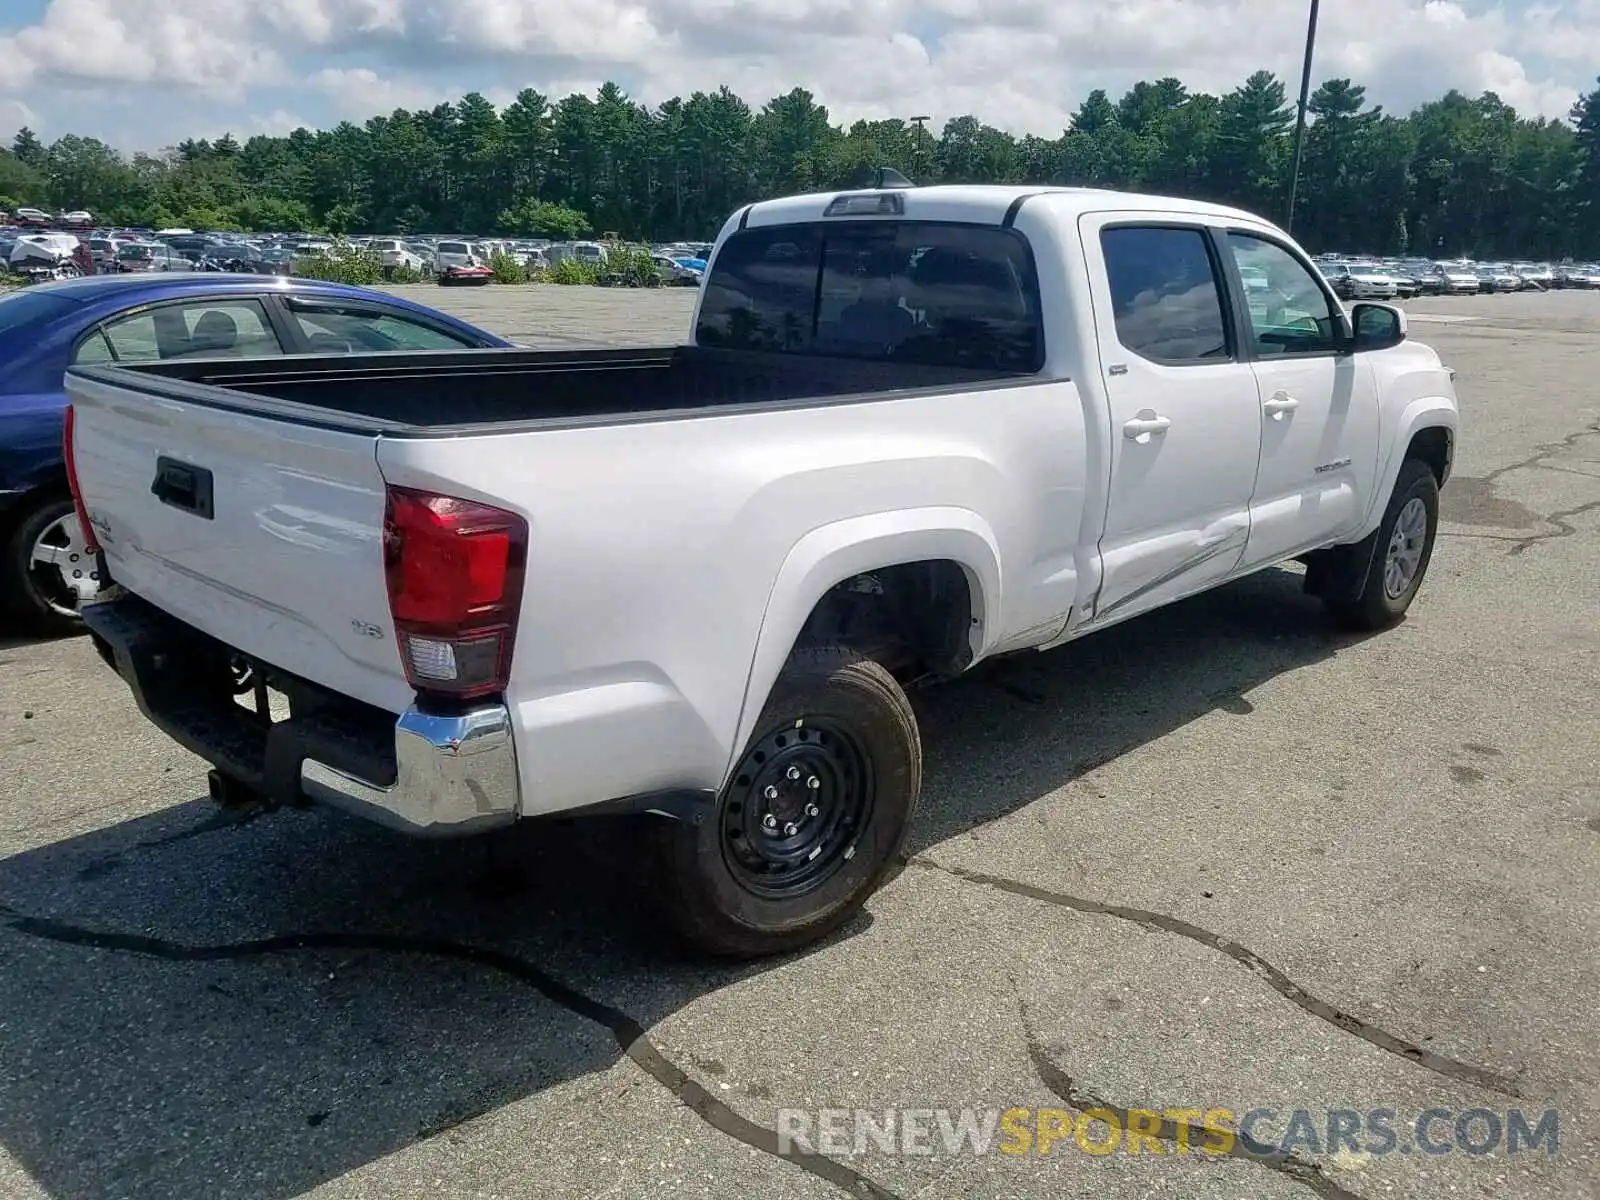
<point>1217,857</point>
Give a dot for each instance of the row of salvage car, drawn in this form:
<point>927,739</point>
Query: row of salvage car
<point>1386,279</point>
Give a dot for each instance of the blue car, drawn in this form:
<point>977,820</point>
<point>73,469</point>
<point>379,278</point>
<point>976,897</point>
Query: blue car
<point>44,574</point>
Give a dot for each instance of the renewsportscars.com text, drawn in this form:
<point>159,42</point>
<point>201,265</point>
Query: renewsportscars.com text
<point>843,1132</point>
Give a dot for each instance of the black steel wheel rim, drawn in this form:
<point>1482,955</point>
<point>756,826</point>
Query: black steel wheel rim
<point>799,801</point>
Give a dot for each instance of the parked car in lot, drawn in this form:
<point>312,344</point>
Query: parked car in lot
<point>45,254</point>
<point>461,264</point>
<point>915,428</point>
<point>1406,284</point>
<point>1535,275</point>
<point>1498,279</point>
<point>1361,281</point>
<point>676,274</point>
<point>1577,275</point>
<point>137,257</point>
<point>393,253</point>
<point>44,573</point>
<point>1429,279</point>
<point>1458,280</point>
<point>105,251</point>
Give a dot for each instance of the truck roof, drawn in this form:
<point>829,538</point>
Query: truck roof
<point>986,204</point>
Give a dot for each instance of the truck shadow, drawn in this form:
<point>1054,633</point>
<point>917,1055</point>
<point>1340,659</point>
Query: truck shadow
<point>183,1056</point>
<point>1019,727</point>
<point>14,638</point>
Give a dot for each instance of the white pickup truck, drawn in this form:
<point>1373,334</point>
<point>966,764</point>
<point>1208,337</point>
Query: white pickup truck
<point>915,428</point>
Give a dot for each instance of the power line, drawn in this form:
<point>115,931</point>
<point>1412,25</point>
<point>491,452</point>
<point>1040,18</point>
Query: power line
<point>1300,119</point>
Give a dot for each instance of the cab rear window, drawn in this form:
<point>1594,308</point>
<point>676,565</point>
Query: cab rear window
<point>904,291</point>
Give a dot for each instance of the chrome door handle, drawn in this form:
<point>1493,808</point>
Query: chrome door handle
<point>1144,425</point>
<point>1280,403</point>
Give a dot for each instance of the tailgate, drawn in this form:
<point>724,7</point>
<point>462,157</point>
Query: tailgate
<point>264,532</point>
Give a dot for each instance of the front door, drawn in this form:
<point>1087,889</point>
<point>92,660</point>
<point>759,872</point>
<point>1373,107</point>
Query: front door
<point>1319,405</point>
<point>1185,417</point>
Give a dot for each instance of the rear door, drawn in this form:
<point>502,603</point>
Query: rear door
<point>264,531</point>
<point>1185,419</point>
<point>1319,404</point>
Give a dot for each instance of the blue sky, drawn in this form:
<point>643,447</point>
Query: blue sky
<point>143,74</point>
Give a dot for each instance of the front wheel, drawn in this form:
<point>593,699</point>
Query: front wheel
<point>813,819</point>
<point>1404,549</point>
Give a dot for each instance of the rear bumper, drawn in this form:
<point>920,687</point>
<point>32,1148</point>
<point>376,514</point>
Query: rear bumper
<point>454,775</point>
<point>428,774</point>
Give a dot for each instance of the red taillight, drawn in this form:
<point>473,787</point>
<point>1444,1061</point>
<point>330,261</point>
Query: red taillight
<point>454,569</point>
<point>72,483</point>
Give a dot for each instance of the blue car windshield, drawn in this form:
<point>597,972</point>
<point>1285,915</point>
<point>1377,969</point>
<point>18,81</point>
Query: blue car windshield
<point>24,307</point>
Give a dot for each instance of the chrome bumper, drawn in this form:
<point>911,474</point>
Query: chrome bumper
<point>456,775</point>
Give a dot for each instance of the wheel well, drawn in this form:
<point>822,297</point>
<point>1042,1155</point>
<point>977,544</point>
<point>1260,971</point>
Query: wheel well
<point>52,487</point>
<point>1432,446</point>
<point>914,618</point>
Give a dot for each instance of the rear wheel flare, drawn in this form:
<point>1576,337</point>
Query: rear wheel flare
<point>739,884</point>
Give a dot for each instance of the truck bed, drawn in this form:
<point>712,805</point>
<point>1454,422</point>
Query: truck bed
<point>437,392</point>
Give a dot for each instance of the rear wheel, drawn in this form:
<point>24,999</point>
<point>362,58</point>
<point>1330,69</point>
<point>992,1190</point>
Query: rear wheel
<point>812,821</point>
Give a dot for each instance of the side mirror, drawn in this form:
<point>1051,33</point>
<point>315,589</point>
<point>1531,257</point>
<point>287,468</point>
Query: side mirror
<point>1377,326</point>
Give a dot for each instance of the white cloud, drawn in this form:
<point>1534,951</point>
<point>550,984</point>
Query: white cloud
<point>360,92</point>
<point>277,123</point>
<point>14,114</point>
<point>206,44</point>
<point>1021,64</point>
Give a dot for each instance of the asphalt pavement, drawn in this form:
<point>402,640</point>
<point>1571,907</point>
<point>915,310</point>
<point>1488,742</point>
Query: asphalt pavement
<point>1218,857</point>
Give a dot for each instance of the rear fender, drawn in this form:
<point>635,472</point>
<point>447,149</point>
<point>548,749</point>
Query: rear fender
<point>833,553</point>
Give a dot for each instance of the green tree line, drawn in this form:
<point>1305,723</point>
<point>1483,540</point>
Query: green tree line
<point>1457,176</point>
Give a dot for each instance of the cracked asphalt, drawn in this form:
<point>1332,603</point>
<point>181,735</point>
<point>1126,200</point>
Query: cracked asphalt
<point>1217,857</point>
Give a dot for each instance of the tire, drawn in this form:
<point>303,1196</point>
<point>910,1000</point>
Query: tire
<point>1382,604</point>
<point>838,728</point>
<point>44,604</point>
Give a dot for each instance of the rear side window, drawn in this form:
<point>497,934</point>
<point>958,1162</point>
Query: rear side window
<point>1166,297</point>
<point>910,291</point>
<point>203,329</point>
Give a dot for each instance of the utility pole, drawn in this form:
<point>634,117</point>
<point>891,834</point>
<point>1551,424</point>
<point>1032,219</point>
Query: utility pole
<point>916,152</point>
<point>1300,119</point>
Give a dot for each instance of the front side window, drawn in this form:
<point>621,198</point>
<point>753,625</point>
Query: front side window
<point>1166,298</point>
<point>908,291</point>
<point>204,329</point>
<point>350,331</point>
<point>1292,314</point>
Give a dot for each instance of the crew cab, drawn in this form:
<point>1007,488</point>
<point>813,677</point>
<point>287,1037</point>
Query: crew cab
<point>913,429</point>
